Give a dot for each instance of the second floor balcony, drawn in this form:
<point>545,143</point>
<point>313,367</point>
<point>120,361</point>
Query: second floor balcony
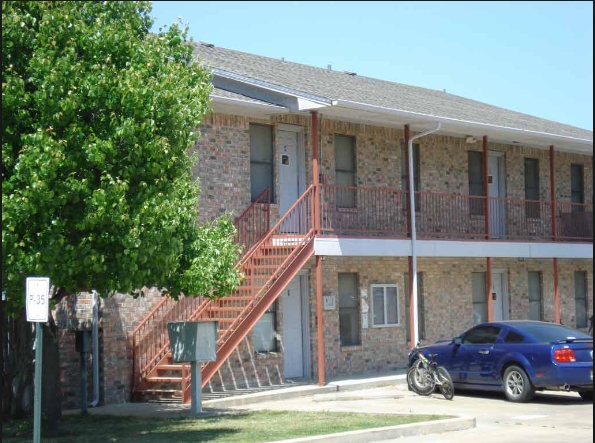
<point>381,212</point>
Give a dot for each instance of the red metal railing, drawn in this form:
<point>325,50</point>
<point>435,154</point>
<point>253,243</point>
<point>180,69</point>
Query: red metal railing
<point>358,210</point>
<point>150,341</point>
<point>383,212</point>
<point>254,222</point>
<point>574,221</point>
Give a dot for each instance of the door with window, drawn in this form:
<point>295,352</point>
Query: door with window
<point>500,301</point>
<point>293,333</point>
<point>291,167</point>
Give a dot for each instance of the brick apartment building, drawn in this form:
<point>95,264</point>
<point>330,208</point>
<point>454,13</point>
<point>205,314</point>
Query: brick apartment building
<point>315,164</point>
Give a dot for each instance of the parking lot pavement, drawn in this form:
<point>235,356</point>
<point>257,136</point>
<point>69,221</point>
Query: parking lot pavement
<point>551,417</point>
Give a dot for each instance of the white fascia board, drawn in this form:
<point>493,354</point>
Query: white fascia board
<point>463,123</point>
<point>269,107</point>
<point>362,247</point>
<point>322,101</point>
<point>308,105</point>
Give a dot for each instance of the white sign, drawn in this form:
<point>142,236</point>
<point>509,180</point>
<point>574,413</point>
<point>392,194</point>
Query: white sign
<point>328,302</point>
<point>38,296</point>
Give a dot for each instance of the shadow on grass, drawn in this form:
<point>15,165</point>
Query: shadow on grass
<point>106,428</point>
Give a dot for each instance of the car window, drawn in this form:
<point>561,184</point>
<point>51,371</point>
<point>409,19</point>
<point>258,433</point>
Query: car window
<point>550,332</point>
<point>514,337</point>
<point>482,335</point>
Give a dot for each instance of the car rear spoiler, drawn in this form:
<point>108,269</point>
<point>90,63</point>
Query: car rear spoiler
<point>574,340</point>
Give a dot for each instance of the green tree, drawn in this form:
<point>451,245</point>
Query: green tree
<point>98,115</point>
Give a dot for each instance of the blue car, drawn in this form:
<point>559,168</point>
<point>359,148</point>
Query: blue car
<point>518,358</point>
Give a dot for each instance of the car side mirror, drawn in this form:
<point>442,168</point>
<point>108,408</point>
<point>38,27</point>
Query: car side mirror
<point>458,341</point>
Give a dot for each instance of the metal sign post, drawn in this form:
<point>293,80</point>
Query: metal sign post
<point>37,306</point>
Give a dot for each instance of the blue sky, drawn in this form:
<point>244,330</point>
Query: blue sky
<point>531,57</point>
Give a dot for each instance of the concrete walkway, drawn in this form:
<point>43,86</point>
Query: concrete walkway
<point>335,394</point>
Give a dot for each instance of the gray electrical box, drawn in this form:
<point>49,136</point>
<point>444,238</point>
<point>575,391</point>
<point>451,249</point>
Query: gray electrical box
<point>193,341</point>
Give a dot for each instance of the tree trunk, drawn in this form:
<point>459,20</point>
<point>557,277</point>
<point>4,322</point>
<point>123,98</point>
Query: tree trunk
<point>51,392</point>
<point>17,367</point>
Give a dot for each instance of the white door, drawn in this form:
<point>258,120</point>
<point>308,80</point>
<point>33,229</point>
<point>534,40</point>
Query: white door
<point>293,356</point>
<point>289,173</point>
<point>499,296</point>
<point>496,189</point>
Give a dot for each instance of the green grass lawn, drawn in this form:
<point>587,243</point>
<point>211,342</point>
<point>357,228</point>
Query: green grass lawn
<point>240,427</point>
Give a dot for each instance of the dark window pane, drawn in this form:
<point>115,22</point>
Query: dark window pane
<point>392,306</point>
<point>514,337</point>
<point>479,296</point>
<point>349,326</point>
<point>476,182</point>
<point>482,335</point>
<point>580,299</point>
<point>532,210</point>
<point>261,160</point>
<point>535,296</point>
<point>577,187</point>
<point>345,170</point>
<point>547,333</point>
<point>378,303</point>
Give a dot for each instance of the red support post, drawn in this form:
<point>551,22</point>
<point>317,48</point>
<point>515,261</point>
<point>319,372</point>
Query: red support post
<point>486,185</point>
<point>320,321</point>
<point>316,172</point>
<point>316,226</point>
<point>553,192</point>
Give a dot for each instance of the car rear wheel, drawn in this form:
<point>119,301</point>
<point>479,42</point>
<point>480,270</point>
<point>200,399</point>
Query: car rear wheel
<point>517,386</point>
<point>586,395</point>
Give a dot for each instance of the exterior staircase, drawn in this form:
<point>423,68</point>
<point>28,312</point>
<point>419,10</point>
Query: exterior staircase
<point>271,259</point>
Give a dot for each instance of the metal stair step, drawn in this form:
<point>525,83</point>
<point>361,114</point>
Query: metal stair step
<point>169,367</point>
<point>164,379</point>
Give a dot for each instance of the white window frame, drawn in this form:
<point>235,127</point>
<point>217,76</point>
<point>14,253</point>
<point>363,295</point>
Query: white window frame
<point>384,286</point>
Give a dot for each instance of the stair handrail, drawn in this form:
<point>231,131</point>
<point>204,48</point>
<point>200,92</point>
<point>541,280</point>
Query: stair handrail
<point>306,238</point>
<point>257,205</point>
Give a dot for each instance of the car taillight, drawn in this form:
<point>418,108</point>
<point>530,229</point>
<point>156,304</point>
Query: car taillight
<point>564,356</point>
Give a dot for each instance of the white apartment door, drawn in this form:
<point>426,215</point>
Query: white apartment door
<point>496,191</point>
<point>293,331</point>
<point>500,302</point>
<point>289,178</point>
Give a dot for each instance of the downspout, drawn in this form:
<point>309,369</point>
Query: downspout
<point>95,338</point>
<point>413,277</point>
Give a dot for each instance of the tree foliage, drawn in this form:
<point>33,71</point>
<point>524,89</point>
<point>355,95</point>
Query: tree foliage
<point>98,114</point>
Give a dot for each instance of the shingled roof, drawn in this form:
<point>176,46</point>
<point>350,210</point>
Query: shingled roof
<point>334,85</point>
